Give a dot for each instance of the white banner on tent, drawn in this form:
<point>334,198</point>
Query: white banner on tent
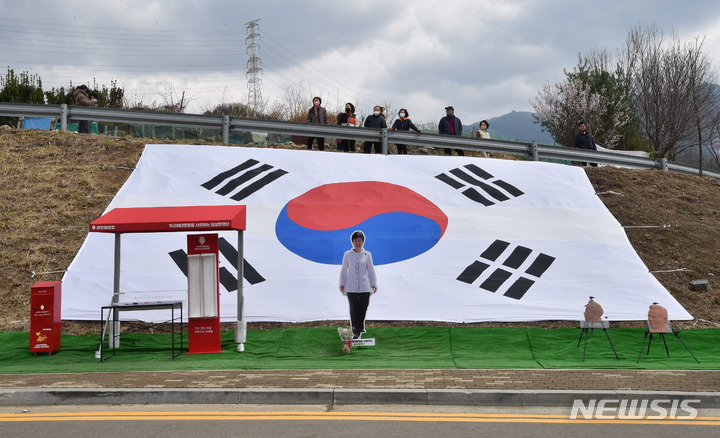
<point>454,239</point>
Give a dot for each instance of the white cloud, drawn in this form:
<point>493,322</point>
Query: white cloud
<point>485,57</point>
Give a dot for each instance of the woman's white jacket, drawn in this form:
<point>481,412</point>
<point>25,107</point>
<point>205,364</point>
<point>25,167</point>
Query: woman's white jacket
<point>358,272</point>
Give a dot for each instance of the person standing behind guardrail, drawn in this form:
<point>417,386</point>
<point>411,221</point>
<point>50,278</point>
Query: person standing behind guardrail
<point>450,125</point>
<point>375,120</point>
<point>348,118</point>
<point>82,99</point>
<point>404,124</point>
<point>584,140</point>
<point>317,114</point>
<point>483,133</point>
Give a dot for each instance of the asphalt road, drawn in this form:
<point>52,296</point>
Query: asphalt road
<point>321,421</point>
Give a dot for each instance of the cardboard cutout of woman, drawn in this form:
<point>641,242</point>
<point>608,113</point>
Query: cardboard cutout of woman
<point>358,281</point>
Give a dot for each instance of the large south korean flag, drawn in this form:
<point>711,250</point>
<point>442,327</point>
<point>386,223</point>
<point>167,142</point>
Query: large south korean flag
<point>453,238</point>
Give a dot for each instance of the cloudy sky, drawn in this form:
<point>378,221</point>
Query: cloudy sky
<point>484,57</point>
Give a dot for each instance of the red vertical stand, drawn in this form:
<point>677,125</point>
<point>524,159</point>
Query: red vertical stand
<point>203,294</point>
<point>45,317</point>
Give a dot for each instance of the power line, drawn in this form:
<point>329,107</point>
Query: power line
<point>107,45</point>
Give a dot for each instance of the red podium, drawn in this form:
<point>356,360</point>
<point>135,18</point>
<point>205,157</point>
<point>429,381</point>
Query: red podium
<point>45,317</point>
<point>203,294</point>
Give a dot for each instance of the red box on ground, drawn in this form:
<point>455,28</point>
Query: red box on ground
<point>45,317</point>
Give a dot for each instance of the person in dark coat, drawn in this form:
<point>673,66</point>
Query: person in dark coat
<point>348,118</point>
<point>317,114</point>
<point>584,140</point>
<point>375,120</point>
<point>403,123</point>
<point>451,125</point>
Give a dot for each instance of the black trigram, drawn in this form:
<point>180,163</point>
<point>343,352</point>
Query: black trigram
<point>486,193</point>
<point>227,279</point>
<point>244,179</point>
<point>497,279</point>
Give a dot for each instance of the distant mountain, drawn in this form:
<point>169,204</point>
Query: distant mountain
<point>515,125</point>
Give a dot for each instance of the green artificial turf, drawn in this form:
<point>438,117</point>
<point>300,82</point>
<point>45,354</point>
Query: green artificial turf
<point>396,347</point>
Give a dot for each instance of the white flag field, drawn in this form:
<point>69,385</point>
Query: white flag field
<point>455,239</point>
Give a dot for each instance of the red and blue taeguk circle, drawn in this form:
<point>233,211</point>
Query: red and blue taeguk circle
<point>399,224</point>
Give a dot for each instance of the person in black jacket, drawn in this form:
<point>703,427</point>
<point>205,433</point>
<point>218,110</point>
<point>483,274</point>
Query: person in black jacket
<point>451,125</point>
<point>374,121</point>
<point>403,124</point>
<point>348,118</point>
<point>584,140</point>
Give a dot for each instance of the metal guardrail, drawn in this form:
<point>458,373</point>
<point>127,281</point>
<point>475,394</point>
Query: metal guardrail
<point>227,124</point>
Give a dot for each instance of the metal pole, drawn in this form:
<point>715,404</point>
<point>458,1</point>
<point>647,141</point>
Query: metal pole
<point>226,129</point>
<point>534,151</point>
<point>240,325</point>
<point>63,116</point>
<point>114,332</point>
<point>384,139</point>
<point>116,270</point>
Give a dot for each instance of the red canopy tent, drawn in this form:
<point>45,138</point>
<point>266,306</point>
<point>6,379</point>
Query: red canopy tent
<point>167,219</point>
<point>173,219</point>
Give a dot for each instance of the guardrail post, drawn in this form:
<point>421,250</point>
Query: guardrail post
<point>226,129</point>
<point>661,163</point>
<point>384,138</point>
<point>63,116</point>
<point>533,151</point>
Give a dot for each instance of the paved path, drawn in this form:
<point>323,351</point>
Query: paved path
<point>494,379</point>
<point>346,387</point>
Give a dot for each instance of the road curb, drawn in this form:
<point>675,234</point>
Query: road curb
<point>340,396</point>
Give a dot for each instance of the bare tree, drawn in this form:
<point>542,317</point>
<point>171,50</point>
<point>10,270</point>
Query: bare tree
<point>296,103</point>
<point>713,139</point>
<point>389,111</point>
<point>705,96</point>
<point>668,82</point>
<point>173,101</point>
<point>713,160</point>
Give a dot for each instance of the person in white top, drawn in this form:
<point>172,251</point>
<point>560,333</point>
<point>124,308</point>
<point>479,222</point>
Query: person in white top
<point>358,281</point>
<point>483,133</point>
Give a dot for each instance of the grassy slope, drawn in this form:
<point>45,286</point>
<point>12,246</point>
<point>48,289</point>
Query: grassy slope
<point>55,183</point>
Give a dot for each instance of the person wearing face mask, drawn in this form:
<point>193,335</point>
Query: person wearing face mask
<point>317,114</point>
<point>347,118</point>
<point>403,124</point>
<point>451,125</point>
<point>374,121</point>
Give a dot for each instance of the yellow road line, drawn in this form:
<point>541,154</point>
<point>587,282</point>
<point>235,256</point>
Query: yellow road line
<point>338,416</point>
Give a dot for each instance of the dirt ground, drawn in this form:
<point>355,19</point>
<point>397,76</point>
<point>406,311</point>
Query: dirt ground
<point>55,183</point>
